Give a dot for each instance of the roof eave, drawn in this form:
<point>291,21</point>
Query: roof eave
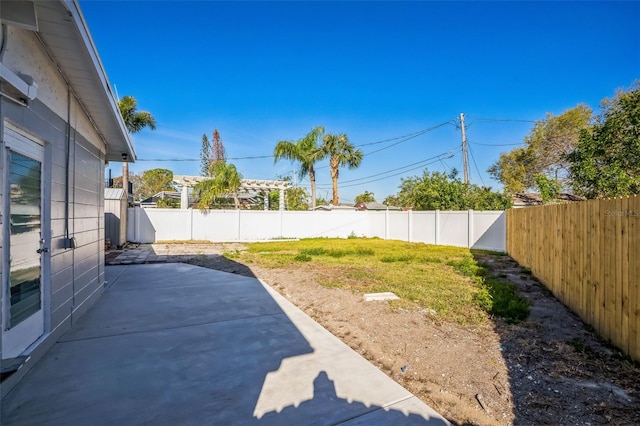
<point>92,88</point>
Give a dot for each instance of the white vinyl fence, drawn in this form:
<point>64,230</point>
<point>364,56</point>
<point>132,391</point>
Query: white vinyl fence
<point>473,229</point>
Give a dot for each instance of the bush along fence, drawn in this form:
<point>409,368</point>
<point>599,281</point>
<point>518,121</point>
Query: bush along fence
<point>588,254</point>
<point>473,229</point>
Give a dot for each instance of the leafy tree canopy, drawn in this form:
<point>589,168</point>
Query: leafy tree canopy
<point>154,181</point>
<point>224,178</point>
<point>548,188</point>
<point>438,191</point>
<point>545,153</point>
<point>135,120</point>
<point>606,161</point>
<point>224,183</point>
<point>365,197</point>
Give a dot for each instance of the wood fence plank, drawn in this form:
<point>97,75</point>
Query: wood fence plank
<point>597,230</point>
<point>610,269</point>
<point>624,275</point>
<point>634,277</point>
<point>583,266</point>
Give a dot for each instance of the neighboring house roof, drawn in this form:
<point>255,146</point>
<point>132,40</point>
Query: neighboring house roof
<point>65,35</point>
<point>531,199</point>
<point>376,206</point>
<point>113,194</point>
<point>331,207</point>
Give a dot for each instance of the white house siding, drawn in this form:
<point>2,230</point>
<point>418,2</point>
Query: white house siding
<point>76,276</point>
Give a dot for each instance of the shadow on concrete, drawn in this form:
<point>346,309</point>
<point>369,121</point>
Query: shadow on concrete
<point>180,344</point>
<point>220,263</point>
<point>325,397</point>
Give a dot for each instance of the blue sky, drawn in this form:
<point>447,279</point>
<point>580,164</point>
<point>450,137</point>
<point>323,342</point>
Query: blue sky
<point>261,72</point>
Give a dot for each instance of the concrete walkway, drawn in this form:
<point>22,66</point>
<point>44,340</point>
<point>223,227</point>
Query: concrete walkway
<point>176,344</point>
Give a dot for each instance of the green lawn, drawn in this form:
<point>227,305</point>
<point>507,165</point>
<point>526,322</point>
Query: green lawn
<point>441,278</point>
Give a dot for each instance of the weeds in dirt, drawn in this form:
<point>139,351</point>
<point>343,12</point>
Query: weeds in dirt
<point>505,302</point>
<point>302,257</point>
<point>578,345</point>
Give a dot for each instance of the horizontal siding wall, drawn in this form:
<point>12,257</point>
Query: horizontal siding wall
<point>481,230</point>
<point>75,275</point>
<point>588,255</point>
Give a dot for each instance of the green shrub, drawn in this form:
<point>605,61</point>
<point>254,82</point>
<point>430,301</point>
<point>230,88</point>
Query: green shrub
<point>467,266</point>
<point>398,258</point>
<point>506,302</point>
<point>313,251</point>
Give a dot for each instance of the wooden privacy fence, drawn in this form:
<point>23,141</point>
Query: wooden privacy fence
<point>588,254</point>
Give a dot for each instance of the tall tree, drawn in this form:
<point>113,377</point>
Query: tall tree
<point>217,149</point>
<point>225,179</point>
<point>154,181</point>
<point>307,151</point>
<point>606,161</point>
<point>205,156</point>
<point>545,153</point>
<point>341,153</point>
<point>135,121</point>
<point>365,197</point>
<point>211,153</point>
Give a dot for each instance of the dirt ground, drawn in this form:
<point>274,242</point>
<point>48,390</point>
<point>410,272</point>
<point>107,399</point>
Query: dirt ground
<point>549,369</point>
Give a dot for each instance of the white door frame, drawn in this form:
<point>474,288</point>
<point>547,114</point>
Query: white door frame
<point>22,338</point>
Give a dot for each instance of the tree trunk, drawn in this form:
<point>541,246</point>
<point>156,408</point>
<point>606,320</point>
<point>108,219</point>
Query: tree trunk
<point>334,178</point>
<point>125,180</point>
<point>312,179</point>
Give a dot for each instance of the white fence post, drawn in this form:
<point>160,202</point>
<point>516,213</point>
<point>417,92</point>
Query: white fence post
<point>386,224</point>
<point>239,233</point>
<point>136,224</point>
<point>191,225</point>
<point>437,227</point>
<point>470,228</point>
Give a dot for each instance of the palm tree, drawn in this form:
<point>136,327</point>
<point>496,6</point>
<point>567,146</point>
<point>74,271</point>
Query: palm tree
<point>134,121</point>
<point>341,153</point>
<point>225,179</point>
<point>307,151</point>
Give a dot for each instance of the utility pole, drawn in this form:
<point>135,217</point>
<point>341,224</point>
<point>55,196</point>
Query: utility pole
<point>465,164</point>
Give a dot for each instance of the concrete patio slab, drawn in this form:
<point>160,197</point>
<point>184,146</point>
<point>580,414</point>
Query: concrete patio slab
<point>180,344</point>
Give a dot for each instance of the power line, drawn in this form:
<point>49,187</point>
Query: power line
<point>476,164</point>
<point>386,177</point>
<point>516,120</point>
<point>413,136</point>
<point>198,159</point>
<point>465,166</point>
<point>497,144</point>
<point>399,170</point>
<point>403,139</point>
<point>449,154</point>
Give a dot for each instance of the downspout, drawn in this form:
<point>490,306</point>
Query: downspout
<point>3,42</point>
<point>66,170</point>
<point>69,242</point>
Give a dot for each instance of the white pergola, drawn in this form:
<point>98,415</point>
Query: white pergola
<point>246,185</point>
